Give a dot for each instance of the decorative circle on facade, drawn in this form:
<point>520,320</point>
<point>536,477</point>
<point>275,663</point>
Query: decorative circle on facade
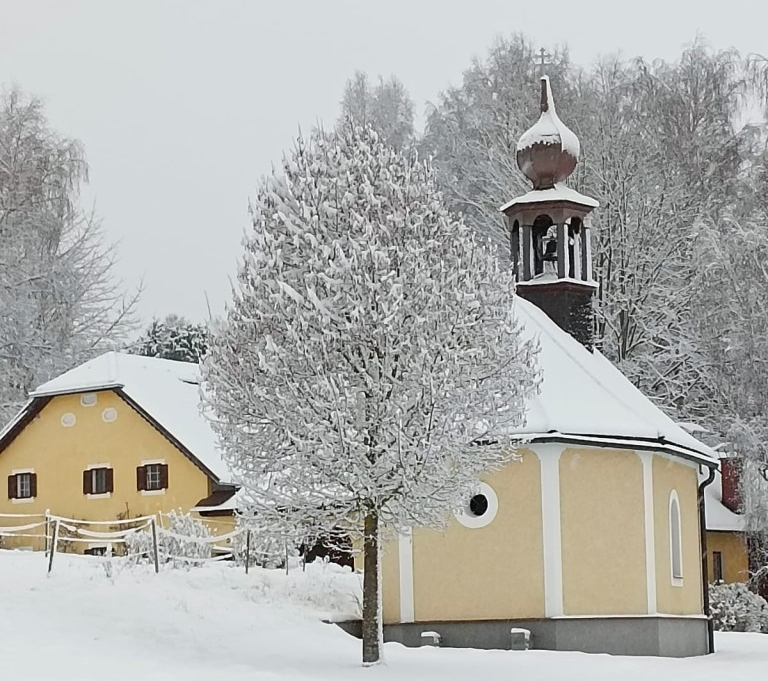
<point>480,509</point>
<point>88,399</point>
<point>68,420</point>
<point>109,415</point>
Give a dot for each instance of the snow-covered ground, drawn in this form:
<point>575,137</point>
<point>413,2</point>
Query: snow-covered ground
<point>215,622</point>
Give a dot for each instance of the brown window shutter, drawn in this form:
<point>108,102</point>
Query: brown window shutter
<point>33,484</point>
<point>163,476</point>
<point>12,493</point>
<point>87,477</point>
<point>141,478</point>
<point>110,480</point>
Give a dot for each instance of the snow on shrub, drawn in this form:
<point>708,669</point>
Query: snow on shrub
<point>181,541</point>
<point>735,608</point>
<point>268,549</point>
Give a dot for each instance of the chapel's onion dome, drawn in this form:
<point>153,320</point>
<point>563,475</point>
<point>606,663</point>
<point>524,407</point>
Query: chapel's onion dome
<point>548,152</point>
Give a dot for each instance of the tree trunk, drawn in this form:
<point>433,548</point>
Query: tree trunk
<point>371,613</point>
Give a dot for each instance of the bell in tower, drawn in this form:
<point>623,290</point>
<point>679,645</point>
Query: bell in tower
<point>549,226</point>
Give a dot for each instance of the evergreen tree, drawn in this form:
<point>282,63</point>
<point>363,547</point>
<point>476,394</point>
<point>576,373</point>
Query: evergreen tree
<point>173,338</point>
<point>370,361</point>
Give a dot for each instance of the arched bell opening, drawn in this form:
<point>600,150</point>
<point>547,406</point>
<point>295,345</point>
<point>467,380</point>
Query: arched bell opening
<point>544,243</point>
<point>574,248</point>
<point>514,249</point>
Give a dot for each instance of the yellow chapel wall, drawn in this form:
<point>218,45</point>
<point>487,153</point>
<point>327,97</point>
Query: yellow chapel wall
<point>733,548</point>
<point>669,475</point>
<point>59,455</point>
<point>603,532</point>
<point>492,572</point>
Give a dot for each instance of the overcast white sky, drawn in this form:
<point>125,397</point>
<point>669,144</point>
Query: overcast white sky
<point>183,106</point>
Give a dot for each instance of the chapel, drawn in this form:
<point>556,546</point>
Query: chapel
<point>592,539</point>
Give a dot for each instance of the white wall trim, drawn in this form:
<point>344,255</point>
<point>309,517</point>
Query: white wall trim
<point>549,456</point>
<point>148,462</point>
<point>91,466</point>
<point>405,556</point>
<point>650,535</point>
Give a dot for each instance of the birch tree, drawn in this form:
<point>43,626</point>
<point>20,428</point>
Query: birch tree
<point>370,362</point>
<point>59,300</point>
<point>386,106</point>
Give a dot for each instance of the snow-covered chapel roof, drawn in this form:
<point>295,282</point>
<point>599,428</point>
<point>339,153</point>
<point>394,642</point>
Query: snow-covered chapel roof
<point>585,398</point>
<point>166,390</point>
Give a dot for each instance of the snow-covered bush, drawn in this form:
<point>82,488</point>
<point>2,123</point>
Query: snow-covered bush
<point>735,608</point>
<point>268,549</point>
<point>182,540</point>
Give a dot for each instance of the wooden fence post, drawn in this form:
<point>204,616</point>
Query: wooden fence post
<point>47,531</point>
<point>54,541</point>
<point>247,550</point>
<point>155,551</point>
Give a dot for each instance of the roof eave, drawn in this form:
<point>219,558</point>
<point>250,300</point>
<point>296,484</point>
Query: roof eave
<point>92,388</point>
<point>170,437</point>
<point>618,442</point>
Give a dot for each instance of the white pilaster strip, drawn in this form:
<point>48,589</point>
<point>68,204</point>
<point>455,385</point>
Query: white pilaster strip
<point>650,539</point>
<point>405,555</point>
<point>549,456</point>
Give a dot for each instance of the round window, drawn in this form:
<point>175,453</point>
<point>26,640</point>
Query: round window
<point>478,505</point>
<point>68,420</point>
<point>109,414</point>
<point>480,508</point>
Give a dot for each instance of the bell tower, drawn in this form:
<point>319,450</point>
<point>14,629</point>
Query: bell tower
<point>549,226</point>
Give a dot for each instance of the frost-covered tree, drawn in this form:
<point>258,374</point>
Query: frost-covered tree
<point>732,326</point>
<point>172,338</point>
<point>661,150</point>
<point>473,129</point>
<point>386,106</point>
<point>370,363</point>
<point>59,301</point>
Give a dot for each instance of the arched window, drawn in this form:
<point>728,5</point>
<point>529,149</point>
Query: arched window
<point>675,539</point>
<point>540,228</point>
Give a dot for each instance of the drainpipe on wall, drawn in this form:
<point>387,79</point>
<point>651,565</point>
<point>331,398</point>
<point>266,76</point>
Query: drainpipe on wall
<point>704,562</point>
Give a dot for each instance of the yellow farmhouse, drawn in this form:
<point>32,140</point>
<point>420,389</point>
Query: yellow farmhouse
<point>593,540</point>
<point>728,555</point>
<point>118,437</point>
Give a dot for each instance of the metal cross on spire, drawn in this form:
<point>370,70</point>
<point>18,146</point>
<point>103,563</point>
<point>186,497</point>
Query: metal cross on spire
<point>542,61</point>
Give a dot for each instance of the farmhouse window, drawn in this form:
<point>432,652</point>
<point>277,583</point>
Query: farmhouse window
<point>98,481</point>
<point>717,567</point>
<point>152,477</point>
<point>22,486</point>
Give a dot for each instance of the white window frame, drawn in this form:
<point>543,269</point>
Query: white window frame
<point>94,480</point>
<point>675,542</point>
<point>90,467</point>
<point>153,492</point>
<point>17,472</point>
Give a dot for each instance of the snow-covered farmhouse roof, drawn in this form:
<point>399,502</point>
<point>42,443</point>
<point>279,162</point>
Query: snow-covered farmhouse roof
<point>720,518</point>
<point>166,391</point>
<point>584,398</point>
